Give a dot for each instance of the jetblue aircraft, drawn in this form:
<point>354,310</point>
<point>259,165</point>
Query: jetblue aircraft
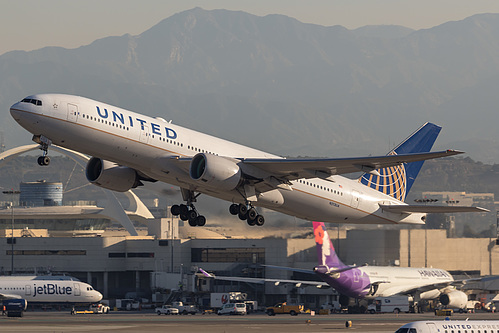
<point>130,148</point>
<point>369,282</point>
<point>465,326</point>
<point>20,290</point>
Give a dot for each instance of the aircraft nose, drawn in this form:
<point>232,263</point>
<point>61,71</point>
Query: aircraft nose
<point>98,295</point>
<point>15,110</point>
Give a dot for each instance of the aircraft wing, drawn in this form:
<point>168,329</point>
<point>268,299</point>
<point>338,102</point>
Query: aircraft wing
<point>325,167</point>
<point>297,283</point>
<point>408,209</point>
<point>291,169</point>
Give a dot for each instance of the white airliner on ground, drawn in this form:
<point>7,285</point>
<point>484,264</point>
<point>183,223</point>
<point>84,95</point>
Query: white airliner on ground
<point>369,282</point>
<point>129,148</point>
<point>21,290</point>
<point>47,289</point>
<point>450,326</point>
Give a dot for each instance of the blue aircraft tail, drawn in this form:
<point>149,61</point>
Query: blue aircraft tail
<point>397,181</point>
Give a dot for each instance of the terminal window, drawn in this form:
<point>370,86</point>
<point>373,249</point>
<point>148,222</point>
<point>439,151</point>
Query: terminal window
<point>47,252</point>
<point>248,255</point>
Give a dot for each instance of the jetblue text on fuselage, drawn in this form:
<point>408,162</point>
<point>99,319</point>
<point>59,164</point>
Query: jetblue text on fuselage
<point>51,289</point>
<point>120,118</point>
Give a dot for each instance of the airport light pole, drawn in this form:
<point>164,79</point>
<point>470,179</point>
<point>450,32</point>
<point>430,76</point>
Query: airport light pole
<point>12,192</point>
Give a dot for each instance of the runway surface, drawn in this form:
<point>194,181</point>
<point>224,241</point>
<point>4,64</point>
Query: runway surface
<point>56,322</point>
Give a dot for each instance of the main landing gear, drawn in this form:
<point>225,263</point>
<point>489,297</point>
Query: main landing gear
<point>249,214</point>
<point>187,214</point>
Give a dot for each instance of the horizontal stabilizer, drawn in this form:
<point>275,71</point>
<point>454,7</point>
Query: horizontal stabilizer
<point>408,209</point>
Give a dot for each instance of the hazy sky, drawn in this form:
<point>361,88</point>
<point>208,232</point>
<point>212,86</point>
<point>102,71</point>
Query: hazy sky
<point>32,24</point>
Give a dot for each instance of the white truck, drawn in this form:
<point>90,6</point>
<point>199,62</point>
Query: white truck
<point>395,304</point>
<point>166,310</point>
<point>185,309</point>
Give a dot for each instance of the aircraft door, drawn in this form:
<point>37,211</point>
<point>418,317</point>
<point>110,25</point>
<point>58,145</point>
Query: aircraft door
<point>27,290</point>
<point>72,112</point>
<point>355,198</point>
<point>144,134</point>
<point>432,327</point>
<point>77,289</point>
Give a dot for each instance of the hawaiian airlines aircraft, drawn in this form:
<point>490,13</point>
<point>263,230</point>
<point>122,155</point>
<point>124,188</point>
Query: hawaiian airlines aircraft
<point>368,282</point>
<point>444,326</point>
<point>45,289</point>
<point>129,148</point>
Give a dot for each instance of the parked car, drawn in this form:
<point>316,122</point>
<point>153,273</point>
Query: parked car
<point>232,309</point>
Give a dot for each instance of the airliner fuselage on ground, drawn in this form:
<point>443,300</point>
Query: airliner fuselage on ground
<point>449,326</point>
<point>129,148</point>
<point>369,282</point>
<point>47,289</point>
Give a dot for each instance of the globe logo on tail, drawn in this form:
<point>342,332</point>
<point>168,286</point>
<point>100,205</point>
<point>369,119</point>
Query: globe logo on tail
<point>391,181</point>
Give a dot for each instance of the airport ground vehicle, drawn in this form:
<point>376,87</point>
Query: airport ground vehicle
<point>280,308</point>
<point>99,308</point>
<point>232,309</point>
<point>185,309</point>
<point>395,304</point>
<point>127,304</point>
<point>166,310</point>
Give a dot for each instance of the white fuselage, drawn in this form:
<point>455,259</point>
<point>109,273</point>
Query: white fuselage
<point>434,326</point>
<point>400,280</point>
<point>150,146</point>
<point>47,291</point>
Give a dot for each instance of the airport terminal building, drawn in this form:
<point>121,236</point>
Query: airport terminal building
<point>159,261</point>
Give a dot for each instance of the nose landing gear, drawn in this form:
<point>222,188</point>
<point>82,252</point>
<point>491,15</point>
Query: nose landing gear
<point>44,142</point>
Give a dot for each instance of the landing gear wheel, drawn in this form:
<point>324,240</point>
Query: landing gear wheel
<point>184,210</point>
<point>251,222</point>
<point>243,209</point>
<point>243,217</point>
<point>184,217</point>
<point>252,213</point>
<point>192,214</point>
<point>193,222</point>
<point>260,220</point>
<point>201,220</point>
<point>43,160</point>
<point>175,210</point>
<point>234,209</point>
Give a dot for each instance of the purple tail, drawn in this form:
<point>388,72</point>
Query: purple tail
<point>325,250</point>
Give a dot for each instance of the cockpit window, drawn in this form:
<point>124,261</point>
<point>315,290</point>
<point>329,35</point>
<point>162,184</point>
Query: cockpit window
<point>32,101</point>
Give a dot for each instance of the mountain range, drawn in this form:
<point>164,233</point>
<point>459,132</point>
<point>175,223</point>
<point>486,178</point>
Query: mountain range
<point>281,85</point>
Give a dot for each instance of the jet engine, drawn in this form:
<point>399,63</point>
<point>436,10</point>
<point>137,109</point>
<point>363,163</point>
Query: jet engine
<point>110,175</point>
<point>15,307</point>
<point>454,299</point>
<point>215,171</point>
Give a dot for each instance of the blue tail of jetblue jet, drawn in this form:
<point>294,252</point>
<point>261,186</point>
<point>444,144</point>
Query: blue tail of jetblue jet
<point>397,181</point>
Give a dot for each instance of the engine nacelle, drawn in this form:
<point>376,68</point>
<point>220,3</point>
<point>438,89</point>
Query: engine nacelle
<point>215,171</point>
<point>454,299</point>
<point>110,175</point>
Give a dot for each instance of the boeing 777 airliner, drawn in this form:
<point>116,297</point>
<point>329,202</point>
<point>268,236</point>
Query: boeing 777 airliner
<point>130,148</point>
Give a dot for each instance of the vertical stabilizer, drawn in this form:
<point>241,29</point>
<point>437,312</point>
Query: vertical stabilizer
<point>347,280</point>
<point>397,181</point>
<point>325,250</point>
